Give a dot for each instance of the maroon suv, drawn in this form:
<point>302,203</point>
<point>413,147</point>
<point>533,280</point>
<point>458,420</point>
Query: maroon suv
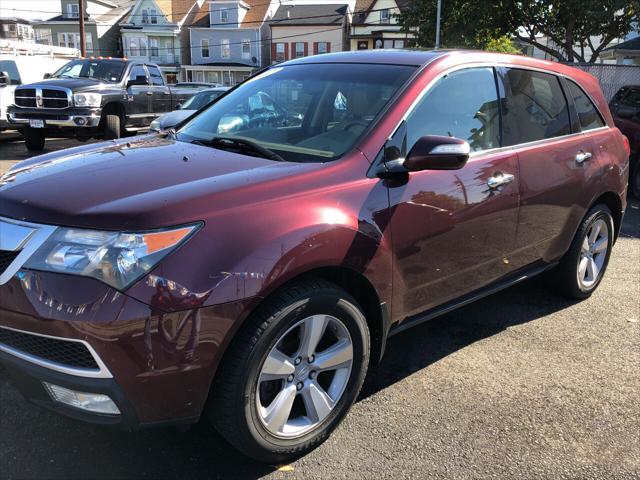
<point>250,268</point>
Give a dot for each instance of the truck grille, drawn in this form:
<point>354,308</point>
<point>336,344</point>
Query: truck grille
<point>54,98</point>
<point>6,257</point>
<point>42,98</point>
<point>26,97</point>
<point>62,352</point>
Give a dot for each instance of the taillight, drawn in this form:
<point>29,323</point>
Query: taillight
<point>627,145</point>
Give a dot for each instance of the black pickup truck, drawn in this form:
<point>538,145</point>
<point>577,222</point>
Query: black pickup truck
<point>94,97</point>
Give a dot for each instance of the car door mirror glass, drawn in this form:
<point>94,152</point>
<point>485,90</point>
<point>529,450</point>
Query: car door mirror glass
<point>4,79</point>
<point>46,76</point>
<point>436,152</point>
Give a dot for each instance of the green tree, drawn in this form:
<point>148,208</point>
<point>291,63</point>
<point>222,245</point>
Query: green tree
<point>501,44</point>
<point>574,29</point>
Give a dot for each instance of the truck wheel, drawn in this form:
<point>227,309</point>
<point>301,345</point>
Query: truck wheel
<point>33,139</point>
<point>111,127</point>
<point>292,372</point>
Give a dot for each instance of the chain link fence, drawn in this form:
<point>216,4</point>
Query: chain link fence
<point>611,76</point>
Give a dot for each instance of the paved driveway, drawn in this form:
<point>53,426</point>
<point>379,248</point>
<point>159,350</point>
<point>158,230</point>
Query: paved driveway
<point>521,384</point>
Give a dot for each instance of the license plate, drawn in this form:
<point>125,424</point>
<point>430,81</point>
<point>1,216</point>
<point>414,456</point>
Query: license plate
<point>36,123</point>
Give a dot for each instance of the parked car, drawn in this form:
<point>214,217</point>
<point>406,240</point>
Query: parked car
<point>188,108</point>
<point>198,85</point>
<point>16,70</point>
<point>625,108</point>
<point>253,277</point>
<point>94,97</point>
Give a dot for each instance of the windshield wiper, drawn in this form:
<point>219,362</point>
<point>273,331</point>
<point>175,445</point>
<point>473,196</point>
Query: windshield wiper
<point>240,145</point>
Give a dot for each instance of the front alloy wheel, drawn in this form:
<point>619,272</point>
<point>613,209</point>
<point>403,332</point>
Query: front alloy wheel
<point>304,376</point>
<point>292,372</point>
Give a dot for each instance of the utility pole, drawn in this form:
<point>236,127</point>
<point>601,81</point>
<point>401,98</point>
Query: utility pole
<point>83,40</point>
<point>438,23</point>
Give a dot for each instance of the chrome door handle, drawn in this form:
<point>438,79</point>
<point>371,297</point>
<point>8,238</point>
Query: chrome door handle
<point>499,179</point>
<point>149,93</point>
<point>582,157</point>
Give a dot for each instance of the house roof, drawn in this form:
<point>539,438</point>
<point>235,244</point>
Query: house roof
<point>310,14</point>
<point>173,10</point>
<point>115,14</point>
<point>364,7</point>
<point>64,18</point>
<point>633,44</point>
<point>253,18</point>
<point>256,15</point>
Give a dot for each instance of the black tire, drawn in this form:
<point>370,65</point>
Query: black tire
<point>34,139</point>
<point>564,278</point>
<point>634,178</point>
<point>111,126</point>
<point>232,406</point>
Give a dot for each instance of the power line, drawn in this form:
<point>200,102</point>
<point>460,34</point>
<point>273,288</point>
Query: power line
<point>190,47</point>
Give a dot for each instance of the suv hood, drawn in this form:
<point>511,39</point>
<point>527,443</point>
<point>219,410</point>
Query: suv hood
<point>140,184</point>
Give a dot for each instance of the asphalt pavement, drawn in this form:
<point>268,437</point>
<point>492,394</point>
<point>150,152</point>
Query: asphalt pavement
<point>522,384</point>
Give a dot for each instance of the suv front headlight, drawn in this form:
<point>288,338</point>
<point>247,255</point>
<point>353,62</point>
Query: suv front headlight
<point>87,99</point>
<point>118,259</point>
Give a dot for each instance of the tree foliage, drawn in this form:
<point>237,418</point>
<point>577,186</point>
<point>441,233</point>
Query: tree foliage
<point>575,29</point>
<point>501,44</point>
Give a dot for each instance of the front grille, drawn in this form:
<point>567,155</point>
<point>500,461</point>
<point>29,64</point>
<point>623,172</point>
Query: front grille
<point>63,352</point>
<point>51,98</point>
<point>6,257</point>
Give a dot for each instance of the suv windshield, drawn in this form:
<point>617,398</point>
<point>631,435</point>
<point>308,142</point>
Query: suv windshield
<point>201,99</point>
<point>304,113</point>
<point>105,70</point>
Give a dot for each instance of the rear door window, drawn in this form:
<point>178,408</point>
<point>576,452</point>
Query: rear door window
<point>462,104</point>
<point>156,76</point>
<point>534,107</point>
<point>587,112</point>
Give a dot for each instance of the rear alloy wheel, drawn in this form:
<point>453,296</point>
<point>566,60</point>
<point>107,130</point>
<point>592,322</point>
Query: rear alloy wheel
<point>34,139</point>
<point>581,269</point>
<point>292,372</point>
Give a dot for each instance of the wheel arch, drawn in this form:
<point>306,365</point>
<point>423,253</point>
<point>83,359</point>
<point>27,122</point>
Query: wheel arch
<point>117,108</point>
<point>614,203</point>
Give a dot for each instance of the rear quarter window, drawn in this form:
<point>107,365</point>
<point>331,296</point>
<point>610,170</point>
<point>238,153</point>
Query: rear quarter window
<point>535,107</point>
<point>588,115</point>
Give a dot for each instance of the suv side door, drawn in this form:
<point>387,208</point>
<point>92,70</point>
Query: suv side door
<point>557,163</point>
<point>161,98</point>
<point>138,102</point>
<point>453,231</point>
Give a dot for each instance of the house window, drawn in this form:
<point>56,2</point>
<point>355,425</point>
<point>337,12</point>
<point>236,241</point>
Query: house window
<point>363,44</point>
<point>225,49</point>
<point>204,47</point>
<point>212,77</point>
<point>224,15</point>
<point>143,46</point>
<point>398,44</point>
<point>154,47</point>
<point>153,15</point>
<point>73,10</point>
<point>72,40</point>
<point>388,44</point>
<point>246,48</point>
<point>280,52</point>
<point>43,36</point>
<point>385,16</point>
<point>323,47</point>
<point>300,49</point>
<point>133,47</point>
<point>145,16</point>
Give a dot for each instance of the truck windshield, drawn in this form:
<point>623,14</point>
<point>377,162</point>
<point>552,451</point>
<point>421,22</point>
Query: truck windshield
<point>105,70</point>
<point>303,113</point>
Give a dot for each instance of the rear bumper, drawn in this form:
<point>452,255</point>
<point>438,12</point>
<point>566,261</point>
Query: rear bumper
<point>68,117</point>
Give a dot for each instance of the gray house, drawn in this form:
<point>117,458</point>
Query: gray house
<point>229,40</point>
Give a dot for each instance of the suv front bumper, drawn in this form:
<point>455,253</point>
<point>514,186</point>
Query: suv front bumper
<point>68,117</point>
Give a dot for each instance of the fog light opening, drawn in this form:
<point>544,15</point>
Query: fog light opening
<point>80,121</point>
<point>90,402</point>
